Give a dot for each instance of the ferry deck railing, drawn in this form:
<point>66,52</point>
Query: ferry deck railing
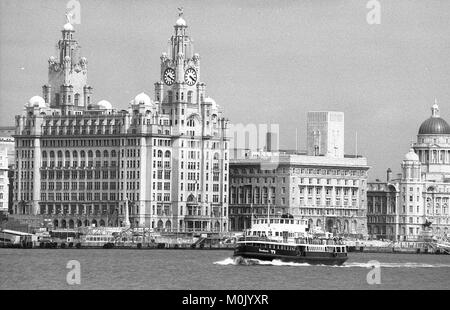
<point>296,240</point>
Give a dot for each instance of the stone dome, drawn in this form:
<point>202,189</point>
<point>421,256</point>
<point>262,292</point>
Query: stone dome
<point>142,98</point>
<point>103,104</point>
<point>210,101</point>
<point>435,125</point>
<point>411,156</point>
<point>68,27</point>
<point>36,101</point>
<point>214,106</point>
<point>181,22</point>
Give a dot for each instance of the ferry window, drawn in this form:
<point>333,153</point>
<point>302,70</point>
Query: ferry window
<point>271,221</point>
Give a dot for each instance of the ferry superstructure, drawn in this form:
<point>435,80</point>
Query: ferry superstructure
<point>287,239</point>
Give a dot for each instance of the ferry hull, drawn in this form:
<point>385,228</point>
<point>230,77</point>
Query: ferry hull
<point>312,258</point>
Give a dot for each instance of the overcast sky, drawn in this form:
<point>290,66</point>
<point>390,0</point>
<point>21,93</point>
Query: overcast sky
<point>262,61</point>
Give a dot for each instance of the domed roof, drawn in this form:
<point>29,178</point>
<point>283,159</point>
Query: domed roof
<point>181,22</point>
<point>36,101</point>
<point>68,27</point>
<point>103,104</point>
<point>411,156</point>
<point>209,100</point>
<point>435,125</point>
<point>142,98</point>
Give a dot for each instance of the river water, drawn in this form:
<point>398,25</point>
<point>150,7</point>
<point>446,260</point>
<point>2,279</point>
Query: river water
<point>212,269</point>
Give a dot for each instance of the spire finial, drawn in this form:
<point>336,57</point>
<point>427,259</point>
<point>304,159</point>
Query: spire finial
<point>180,21</point>
<point>68,26</point>
<point>69,16</point>
<point>435,109</point>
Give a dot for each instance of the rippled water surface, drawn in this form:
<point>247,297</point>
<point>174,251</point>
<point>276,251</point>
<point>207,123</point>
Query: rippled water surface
<point>212,269</point>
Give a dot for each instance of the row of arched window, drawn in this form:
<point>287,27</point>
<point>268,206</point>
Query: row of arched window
<point>82,154</point>
<point>98,153</point>
<point>166,154</point>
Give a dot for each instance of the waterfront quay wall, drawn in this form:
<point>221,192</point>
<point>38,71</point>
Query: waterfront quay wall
<point>399,248</point>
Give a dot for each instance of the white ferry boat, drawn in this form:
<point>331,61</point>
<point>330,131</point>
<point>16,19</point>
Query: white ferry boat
<point>287,239</point>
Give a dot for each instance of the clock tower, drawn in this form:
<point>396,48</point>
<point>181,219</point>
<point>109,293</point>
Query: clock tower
<point>180,81</point>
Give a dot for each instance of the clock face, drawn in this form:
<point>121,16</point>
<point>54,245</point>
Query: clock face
<point>169,76</point>
<point>190,76</point>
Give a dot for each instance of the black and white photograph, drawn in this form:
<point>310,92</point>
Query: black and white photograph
<point>216,148</point>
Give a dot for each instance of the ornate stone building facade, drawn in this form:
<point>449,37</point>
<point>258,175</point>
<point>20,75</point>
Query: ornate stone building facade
<point>6,165</point>
<point>80,163</point>
<point>330,193</point>
<point>327,189</point>
<point>399,208</point>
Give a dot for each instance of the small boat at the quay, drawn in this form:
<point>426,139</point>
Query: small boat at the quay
<point>288,239</point>
<point>443,245</point>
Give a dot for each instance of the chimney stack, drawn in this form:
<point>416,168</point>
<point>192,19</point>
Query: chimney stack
<point>388,175</point>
